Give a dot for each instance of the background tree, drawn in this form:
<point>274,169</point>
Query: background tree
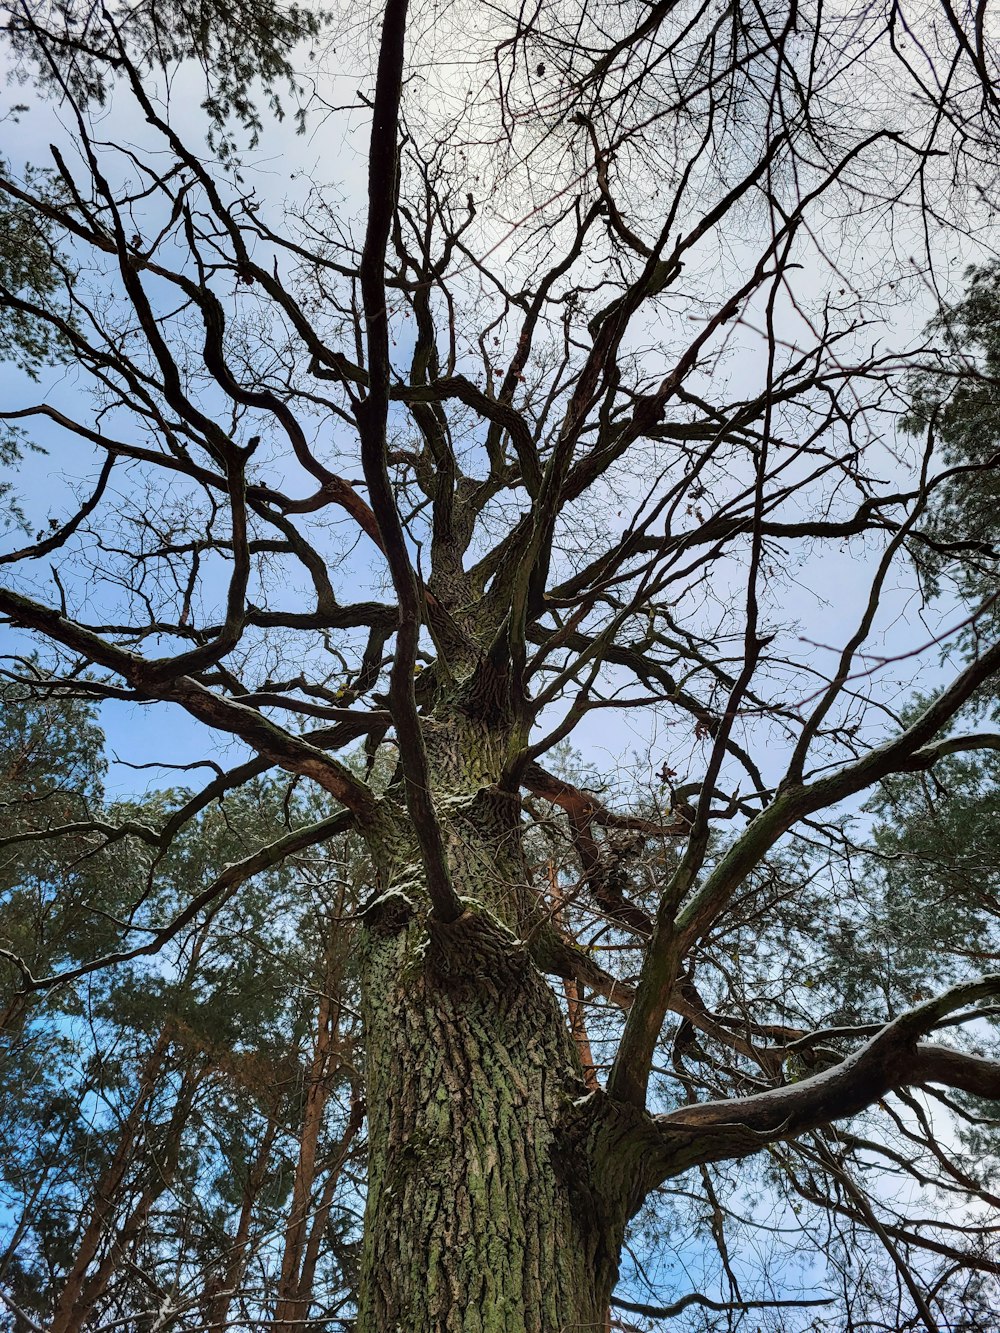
<point>171,1127</point>
<point>396,503</point>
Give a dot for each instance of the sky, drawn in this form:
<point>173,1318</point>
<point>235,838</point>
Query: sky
<point>825,597</point>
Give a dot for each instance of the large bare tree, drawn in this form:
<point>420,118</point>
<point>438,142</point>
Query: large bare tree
<point>546,431</point>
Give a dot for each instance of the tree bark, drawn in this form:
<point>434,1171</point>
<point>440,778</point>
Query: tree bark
<point>497,1191</point>
<point>483,1215</point>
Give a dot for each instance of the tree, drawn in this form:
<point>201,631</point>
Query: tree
<point>552,430</point>
<point>51,766</point>
<point>165,1123</point>
<point>955,395</point>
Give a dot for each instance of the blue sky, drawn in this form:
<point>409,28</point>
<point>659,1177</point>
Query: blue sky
<point>824,598</point>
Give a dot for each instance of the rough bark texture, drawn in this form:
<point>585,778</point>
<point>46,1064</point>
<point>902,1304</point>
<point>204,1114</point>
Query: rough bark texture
<point>482,1216</point>
<point>490,1208</point>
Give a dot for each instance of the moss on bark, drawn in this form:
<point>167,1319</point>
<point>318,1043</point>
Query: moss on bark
<point>482,1216</point>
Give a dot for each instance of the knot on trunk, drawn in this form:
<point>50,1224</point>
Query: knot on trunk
<point>486,694</point>
<point>473,949</point>
<point>616,1140</point>
<point>387,913</point>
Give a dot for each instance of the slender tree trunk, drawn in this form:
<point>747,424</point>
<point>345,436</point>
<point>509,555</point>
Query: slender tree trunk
<point>292,1302</point>
<point>107,1195</point>
<point>218,1303</point>
<point>160,1172</point>
<point>578,1028</point>
<point>322,1212</point>
<point>80,1293</point>
<point>574,1000</point>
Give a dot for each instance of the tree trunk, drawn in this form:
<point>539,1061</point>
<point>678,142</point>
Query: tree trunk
<point>80,1293</point>
<point>483,1215</point>
<point>292,1304</point>
<point>491,1208</point>
<point>574,999</point>
<point>218,1300</point>
<point>71,1306</point>
<point>322,1212</point>
<point>70,1318</point>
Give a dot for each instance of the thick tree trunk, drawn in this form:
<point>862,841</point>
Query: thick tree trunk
<point>483,1212</point>
<point>491,1208</point>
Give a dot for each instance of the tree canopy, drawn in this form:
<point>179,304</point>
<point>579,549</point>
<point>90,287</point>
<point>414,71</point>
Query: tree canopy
<point>539,485</point>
